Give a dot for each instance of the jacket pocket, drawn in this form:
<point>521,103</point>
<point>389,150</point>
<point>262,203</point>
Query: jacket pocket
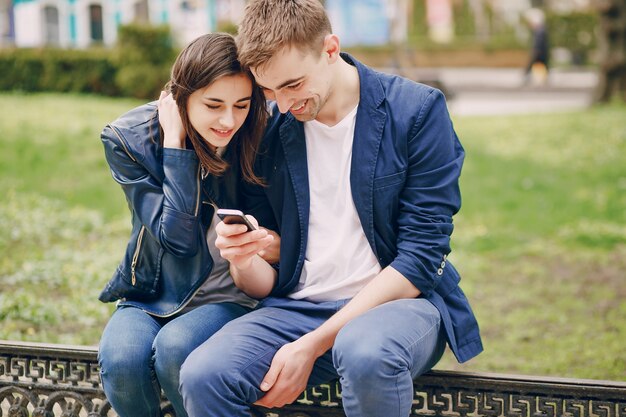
<point>138,275</point>
<point>389,180</point>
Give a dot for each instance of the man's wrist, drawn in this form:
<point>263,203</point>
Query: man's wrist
<point>319,342</point>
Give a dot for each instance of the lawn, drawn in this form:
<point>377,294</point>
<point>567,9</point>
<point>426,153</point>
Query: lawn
<point>540,240</point>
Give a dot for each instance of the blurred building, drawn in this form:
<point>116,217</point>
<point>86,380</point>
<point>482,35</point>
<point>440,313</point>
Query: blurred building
<point>82,23</point>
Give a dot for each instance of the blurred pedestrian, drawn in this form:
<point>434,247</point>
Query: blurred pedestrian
<point>536,71</point>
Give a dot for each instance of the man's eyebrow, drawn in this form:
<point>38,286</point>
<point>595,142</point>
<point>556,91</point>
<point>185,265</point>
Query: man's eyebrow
<point>285,84</point>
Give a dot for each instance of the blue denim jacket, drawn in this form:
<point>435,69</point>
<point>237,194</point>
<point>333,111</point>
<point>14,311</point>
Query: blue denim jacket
<point>167,258</point>
<point>406,162</point>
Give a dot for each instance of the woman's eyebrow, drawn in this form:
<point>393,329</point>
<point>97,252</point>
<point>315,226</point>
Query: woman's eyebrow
<point>219,100</point>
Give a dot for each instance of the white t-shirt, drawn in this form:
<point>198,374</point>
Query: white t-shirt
<point>339,260</point>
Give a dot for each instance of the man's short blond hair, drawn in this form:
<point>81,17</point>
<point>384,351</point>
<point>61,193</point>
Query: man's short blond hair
<point>270,25</point>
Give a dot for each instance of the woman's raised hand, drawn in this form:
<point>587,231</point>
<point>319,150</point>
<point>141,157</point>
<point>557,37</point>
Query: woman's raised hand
<point>172,124</point>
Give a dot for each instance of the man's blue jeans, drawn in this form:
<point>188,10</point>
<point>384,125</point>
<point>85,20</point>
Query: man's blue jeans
<point>376,356</point>
<point>139,354</point>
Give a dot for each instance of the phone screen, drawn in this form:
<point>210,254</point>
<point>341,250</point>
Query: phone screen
<point>231,216</point>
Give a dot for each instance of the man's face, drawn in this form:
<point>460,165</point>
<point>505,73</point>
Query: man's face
<point>298,81</point>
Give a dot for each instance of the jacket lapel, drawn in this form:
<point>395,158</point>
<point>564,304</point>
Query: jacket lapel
<point>294,148</point>
<point>370,122</point>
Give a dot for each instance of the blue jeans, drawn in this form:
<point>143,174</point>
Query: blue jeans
<point>376,356</point>
<point>139,354</point>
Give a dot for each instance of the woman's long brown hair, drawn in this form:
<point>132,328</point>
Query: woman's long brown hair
<point>201,63</point>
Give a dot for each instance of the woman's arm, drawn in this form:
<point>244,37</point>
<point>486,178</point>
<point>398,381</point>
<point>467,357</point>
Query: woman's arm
<point>167,206</point>
<point>251,273</point>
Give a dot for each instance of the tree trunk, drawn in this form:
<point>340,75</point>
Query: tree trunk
<point>612,80</point>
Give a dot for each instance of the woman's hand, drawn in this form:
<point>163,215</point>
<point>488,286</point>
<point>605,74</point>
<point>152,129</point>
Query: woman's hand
<point>169,118</point>
<point>238,246</point>
<point>251,274</point>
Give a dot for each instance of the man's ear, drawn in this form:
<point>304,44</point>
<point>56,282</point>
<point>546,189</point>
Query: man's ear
<point>331,48</point>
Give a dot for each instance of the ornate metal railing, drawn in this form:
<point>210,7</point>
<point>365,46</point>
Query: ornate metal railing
<point>42,380</point>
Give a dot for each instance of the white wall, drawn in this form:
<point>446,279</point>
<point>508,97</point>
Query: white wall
<point>28,24</point>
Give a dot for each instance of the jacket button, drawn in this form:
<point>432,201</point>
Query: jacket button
<point>443,264</point>
<point>440,271</point>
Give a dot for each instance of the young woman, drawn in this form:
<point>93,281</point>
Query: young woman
<point>177,160</point>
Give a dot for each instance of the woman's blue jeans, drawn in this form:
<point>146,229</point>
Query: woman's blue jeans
<point>141,354</point>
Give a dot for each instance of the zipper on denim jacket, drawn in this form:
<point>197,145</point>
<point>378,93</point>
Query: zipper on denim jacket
<point>133,265</point>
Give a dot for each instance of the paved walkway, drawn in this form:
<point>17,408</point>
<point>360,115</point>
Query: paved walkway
<point>494,91</point>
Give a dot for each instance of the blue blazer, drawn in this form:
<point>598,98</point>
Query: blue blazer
<point>406,162</point>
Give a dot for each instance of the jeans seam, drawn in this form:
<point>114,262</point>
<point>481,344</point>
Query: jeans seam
<point>398,393</point>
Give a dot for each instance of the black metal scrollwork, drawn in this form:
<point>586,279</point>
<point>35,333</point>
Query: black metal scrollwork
<point>38,380</point>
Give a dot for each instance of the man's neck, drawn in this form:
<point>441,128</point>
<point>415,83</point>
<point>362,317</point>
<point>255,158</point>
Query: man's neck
<point>344,94</point>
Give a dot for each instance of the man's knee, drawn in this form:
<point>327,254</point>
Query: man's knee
<point>362,356</point>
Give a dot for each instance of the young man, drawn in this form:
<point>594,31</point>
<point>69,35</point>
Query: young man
<point>362,181</point>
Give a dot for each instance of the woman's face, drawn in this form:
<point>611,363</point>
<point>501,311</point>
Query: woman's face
<point>218,110</point>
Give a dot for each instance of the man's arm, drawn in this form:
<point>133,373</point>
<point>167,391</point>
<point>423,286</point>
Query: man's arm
<point>293,363</point>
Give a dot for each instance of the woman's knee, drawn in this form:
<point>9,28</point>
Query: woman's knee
<point>120,364</point>
<point>170,351</point>
<point>125,349</point>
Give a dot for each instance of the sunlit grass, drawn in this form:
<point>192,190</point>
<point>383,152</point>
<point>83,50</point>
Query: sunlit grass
<point>541,241</point>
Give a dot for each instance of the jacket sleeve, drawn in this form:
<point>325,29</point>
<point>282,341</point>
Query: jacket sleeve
<point>256,203</point>
<point>169,211</point>
<point>430,197</point>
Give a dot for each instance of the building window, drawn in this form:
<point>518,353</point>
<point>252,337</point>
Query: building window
<point>51,25</point>
<point>95,23</point>
<point>141,11</point>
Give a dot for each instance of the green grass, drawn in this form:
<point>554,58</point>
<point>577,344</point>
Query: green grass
<point>540,240</point>
<point>63,220</point>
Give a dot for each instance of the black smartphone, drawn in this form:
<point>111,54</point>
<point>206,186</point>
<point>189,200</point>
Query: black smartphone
<point>230,216</point>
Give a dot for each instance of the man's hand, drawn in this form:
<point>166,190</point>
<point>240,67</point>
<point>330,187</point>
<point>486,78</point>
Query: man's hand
<point>271,253</point>
<point>288,374</point>
<point>238,246</point>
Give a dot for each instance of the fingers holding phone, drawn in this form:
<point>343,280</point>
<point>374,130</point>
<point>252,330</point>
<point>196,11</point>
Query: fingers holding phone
<point>239,238</point>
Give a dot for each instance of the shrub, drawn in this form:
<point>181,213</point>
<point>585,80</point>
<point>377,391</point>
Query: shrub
<point>574,31</point>
<point>47,69</point>
<point>138,66</point>
<point>144,55</point>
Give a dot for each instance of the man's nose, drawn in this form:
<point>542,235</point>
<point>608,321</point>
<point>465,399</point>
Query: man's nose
<point>284,103</point>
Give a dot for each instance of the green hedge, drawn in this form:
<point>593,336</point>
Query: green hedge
<point>89,71</point>
<point>144,55</point>
<point>574,31</point>
<point>138,66</point>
